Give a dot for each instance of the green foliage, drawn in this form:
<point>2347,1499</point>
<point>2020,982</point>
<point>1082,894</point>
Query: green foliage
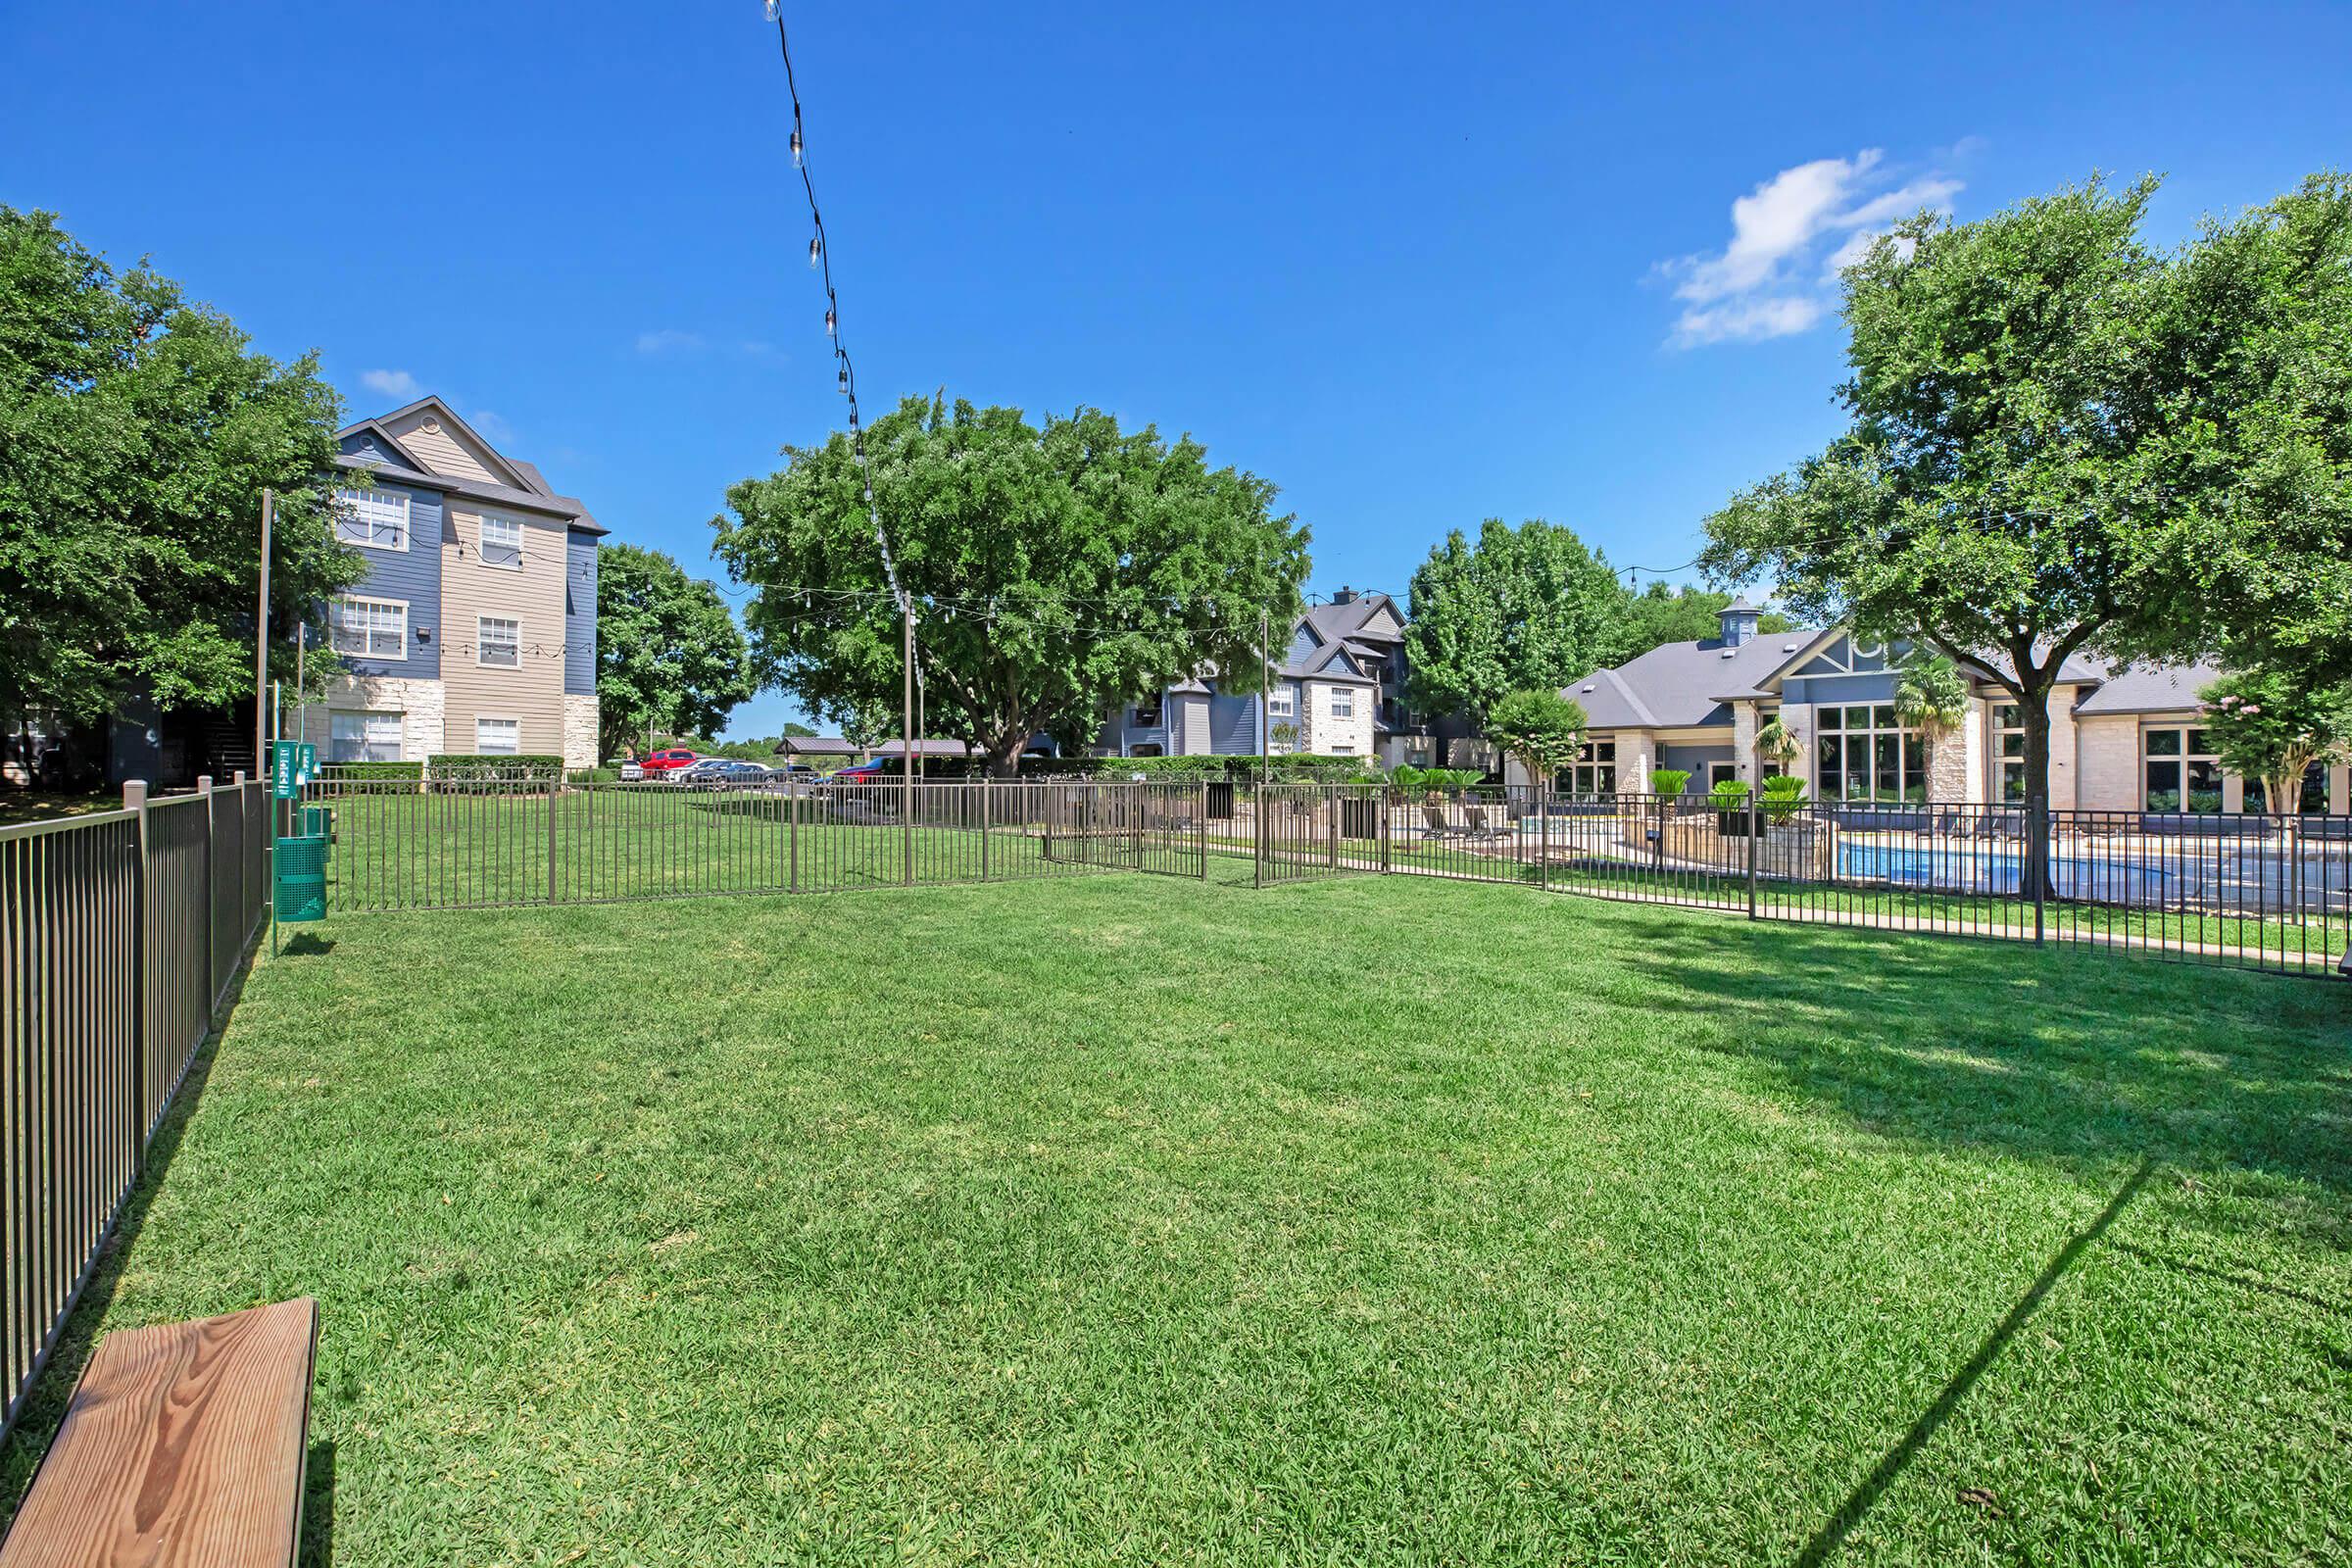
<point>2267,725</point>
<point>1931,698</point>
<point>1290,769</point>
<point>668,652</point>
<point>1783,797</point>
<point>798,731</point>
<point>1662,613</point>
<point>1281,737</point>
<point>1070,566</point>
<point>1668,781</point>
<point>375,771</point>
<point>2254,351</point>
<point>1524,607</point>
<point>1729,793</point>
<point>1540,727</point>
<point>137,433</point>
<point>1409,780</point>
<point>459,766</point>
<point>2032,468</point>
<point>1776,743</point>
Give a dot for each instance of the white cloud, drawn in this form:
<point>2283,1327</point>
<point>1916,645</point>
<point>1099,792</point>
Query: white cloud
<point>669,340</point>
<point>1747,320</point>
<point>1764,284</point>
<point>391,383</point>
<point>492,427</point>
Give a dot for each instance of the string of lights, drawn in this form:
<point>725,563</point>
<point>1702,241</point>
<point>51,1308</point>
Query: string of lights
<point>820,257</point>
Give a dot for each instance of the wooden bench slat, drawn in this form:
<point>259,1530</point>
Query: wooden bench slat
<point>183,1447</point>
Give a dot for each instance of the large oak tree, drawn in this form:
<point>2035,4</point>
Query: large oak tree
<point>2008,489</point>
<point>1521,608</point>
<point>669,654</point>
<point>1057,570</point>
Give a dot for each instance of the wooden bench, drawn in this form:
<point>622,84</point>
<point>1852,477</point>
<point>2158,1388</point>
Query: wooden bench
<point>184,1444</point>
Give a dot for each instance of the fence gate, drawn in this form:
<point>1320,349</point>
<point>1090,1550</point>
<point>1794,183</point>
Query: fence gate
<point>1317,830</point>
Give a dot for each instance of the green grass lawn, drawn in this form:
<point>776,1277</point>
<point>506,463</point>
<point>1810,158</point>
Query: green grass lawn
<point>1128,1219</point>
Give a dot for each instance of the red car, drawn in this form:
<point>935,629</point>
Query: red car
<point>663,763</point>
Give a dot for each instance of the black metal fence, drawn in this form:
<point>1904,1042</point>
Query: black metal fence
<point>2262,892</point>
<point>121,934</point>
<point>489,843</point>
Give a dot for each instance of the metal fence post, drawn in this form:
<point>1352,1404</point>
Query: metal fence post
<point>142,965</point>
<point>1332,807</point>
<point>1543,839</point>
<point>204,788</point>
<point>554,788</point>
<point>792,832</point>
<point>987,802</point>
<point>1380,797</point>
<point>1755,831</point>
<point>2037,856</point>
<point>1201,830</point>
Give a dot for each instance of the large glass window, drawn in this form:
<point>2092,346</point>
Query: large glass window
<point>1281,702</point>
<point>2009,754</point>
<point>1861,753</point>
<point>2314,801</point>
<point>372,628</point>
<point>376,518</point>
<point>497,737</point>
<point>363,737</point>
<point>2178,770</point>
<point>1594,771</point>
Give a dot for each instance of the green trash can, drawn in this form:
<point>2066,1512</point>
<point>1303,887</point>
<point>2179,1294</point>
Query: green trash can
<point>318,822</point>
<point>300,878</point>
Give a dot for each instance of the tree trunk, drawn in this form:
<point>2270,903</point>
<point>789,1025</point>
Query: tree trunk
<point>2035,871</point>
<point>1005,754</point>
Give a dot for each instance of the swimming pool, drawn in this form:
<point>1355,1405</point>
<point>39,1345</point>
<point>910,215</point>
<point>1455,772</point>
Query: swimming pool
<point>1983,869</point>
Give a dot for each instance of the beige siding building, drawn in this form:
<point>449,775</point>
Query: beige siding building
<point>475,630</point>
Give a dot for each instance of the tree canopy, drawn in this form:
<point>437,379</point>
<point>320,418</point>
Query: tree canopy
<point>2267,726</point>
<point>1540,727</point>
<point>2023,477</point>
<point>137,433</point>
<point>1523,607</point>
<point>669,655</point>
<point>1057,570</point>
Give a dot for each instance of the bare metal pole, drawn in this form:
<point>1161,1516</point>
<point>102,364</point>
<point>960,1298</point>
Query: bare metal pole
<point>260,640</point>
<point>1266,729</point>
<point>302,712</point>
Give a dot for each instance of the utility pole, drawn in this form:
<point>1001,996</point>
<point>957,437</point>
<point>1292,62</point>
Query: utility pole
<point>260,642</point>
<point>302,649</point>
<point>906,727</point>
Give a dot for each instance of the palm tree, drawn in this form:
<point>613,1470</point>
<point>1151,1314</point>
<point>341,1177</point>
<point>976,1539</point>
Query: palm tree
<point>1932,702</point>
<point>1777,745</point>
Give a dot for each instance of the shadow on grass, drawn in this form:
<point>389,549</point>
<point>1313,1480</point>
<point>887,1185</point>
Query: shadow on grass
<point>316,1548</point>
<point>1840,1524</point>
<point>2068,1053</point>
<point>306,945</point>
<point>45,1404</point>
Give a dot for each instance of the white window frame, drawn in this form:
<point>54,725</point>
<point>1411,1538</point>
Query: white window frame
<point>1342,702</point>
<point>368,746</point>
<point>481,642</point>
<point>372,627</point>
<point>1282,703</point>
<point>479,750</point>
<point>360,520</point>
<point>484,545</point>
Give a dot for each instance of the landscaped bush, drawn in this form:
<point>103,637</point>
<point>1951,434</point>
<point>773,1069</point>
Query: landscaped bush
<point>373,770</point>
<point>1729,795</point>
<point>1668,781</point>
<point>1783,797</point>
<point>461,766</point>
<point>1409,780</point>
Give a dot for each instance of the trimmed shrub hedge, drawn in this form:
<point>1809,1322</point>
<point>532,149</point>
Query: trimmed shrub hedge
<point>453,767</point>
<point>1294,768</point>
<point>368,770</point>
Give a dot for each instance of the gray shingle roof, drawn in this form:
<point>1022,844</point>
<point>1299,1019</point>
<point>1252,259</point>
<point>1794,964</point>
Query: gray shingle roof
<point>1679,684</point>
<point>2166,689</point>
<point>410,470</point>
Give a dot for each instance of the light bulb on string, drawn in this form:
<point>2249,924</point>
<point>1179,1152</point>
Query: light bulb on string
<point>816,247</point>
<point>796,146</point>
<point>832,323</point>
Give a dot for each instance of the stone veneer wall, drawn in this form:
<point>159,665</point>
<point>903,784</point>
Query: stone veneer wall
<point>579,729</point>
<point>422,705</point>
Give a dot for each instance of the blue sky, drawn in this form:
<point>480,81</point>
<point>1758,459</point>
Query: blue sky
<point>1417,268</point>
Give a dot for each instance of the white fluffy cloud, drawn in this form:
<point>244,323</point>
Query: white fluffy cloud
<point>1762,285</point>
<point>390,383</point>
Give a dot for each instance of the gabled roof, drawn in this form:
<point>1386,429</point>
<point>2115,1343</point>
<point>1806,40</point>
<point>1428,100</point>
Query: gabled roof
<point>530,490</point>
<point>2137,689</point>
<point>1681,684</point>
<point>442,410</point>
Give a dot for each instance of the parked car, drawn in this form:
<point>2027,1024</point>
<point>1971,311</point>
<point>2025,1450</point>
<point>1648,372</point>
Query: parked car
<point>724,772</point>
<point>663,763</point>
<point>631,770</point>
<point>881,770</point>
